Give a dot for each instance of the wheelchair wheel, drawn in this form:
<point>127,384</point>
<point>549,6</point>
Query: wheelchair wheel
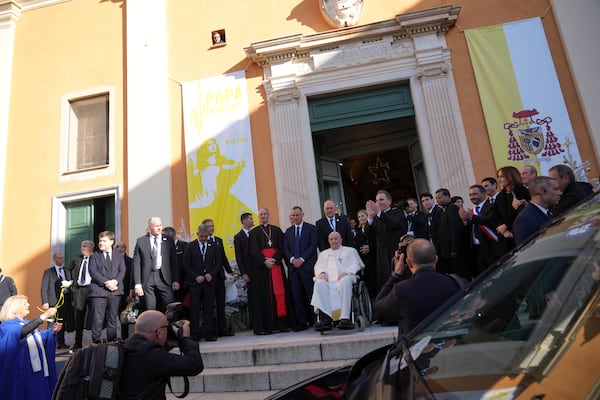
<point>361,322</point>
<point>365,301</point>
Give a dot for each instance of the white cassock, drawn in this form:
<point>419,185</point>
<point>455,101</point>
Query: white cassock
<point>333,297</point>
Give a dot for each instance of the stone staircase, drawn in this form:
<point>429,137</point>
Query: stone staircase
<point>252,367</point>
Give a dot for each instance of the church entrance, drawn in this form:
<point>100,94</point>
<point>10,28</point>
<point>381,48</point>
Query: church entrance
<point>365,141</point>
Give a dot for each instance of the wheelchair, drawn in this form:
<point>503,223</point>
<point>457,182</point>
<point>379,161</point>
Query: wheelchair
<point>361,309</point>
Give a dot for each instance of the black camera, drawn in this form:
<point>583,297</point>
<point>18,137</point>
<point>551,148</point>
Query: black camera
<point>174,313</point>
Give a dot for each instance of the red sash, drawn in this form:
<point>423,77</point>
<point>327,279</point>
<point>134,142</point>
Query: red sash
<point>278,285</point>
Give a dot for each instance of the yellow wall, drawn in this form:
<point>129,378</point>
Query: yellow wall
<point>58,49</point>
<point>79,45</point>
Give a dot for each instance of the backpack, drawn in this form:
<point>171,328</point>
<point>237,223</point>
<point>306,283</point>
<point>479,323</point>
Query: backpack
<point>92,373</point>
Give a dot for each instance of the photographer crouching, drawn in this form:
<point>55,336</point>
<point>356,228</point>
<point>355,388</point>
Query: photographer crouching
<point>149,364</point>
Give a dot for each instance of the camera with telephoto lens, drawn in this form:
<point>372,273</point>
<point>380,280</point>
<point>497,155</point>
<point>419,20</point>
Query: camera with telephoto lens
<point>174,313</point>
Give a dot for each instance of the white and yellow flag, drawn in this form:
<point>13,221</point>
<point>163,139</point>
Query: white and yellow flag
<point>218,145</point>
<point>523,105</point>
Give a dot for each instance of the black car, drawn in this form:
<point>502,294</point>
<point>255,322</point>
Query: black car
<point>529,328</point>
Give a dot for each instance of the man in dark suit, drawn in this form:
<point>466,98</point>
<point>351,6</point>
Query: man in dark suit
<point>545,194</point>
<point>481,228</point>
<point>411,300</point>
<point>449,236</point>
<point>333,222</point>
<point>219,278</point>
<point>51,288</point>
<point>155,274</point>
<point>180,246</point>
<point>107,269</point>
<point>416,220</point>
<point>243,258</point>
<point>300,249</point>
<point>201,262</point>
<point>78,271</point>
<point>389,225</point>
<point>121,247</point>
<point>572,190</point>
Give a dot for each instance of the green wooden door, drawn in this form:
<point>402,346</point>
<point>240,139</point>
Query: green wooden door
<point>79,226</point>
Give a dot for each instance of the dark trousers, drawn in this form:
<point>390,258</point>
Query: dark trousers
<point>220,303</point>
<point>202,295</point>
<point>102,308</point>
<point>79,326</point>
<point>157,288</point>
<point>301,286</point>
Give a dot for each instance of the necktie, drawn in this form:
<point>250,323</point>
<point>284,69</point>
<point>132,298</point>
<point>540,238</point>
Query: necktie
<point>61,273</point>
<point>109,265</point>
<point>492,200</point>
<point>297,243</point>
<point>332,223</point>
<point>549,214</point>
<point>203,250</point>
<point>83,272</point>
<point>155,251</point>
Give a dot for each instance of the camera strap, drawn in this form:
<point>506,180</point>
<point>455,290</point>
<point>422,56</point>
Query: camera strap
<point>186,387</point>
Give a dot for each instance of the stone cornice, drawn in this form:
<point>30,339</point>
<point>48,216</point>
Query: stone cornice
<point>435,20</point>
<point>9,13</point>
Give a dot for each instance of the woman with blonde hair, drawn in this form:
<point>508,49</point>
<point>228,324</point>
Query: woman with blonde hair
<point>28,369</point>
<point>364,242</point>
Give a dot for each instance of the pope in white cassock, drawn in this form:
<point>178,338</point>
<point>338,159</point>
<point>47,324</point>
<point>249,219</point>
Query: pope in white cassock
<point>335,272</point>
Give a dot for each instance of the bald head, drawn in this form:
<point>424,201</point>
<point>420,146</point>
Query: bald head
<point>148,322</point>
<point>421,252</point>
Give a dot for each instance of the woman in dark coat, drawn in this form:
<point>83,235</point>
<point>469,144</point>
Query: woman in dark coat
<point>364,242</point>
<point>513,197</point>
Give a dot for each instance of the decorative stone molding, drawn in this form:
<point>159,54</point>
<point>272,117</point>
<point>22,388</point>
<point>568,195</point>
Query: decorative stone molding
<point>437,20</point>
<point>27,5</point>
<point>405,26</point>
<point>432,70</point>
<point>288,95</point>
<point>9,13</point>
<point>410,47</point>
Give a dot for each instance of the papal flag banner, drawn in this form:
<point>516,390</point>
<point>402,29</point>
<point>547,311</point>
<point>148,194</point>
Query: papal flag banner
<point>218,145</point>
<point>523,105</point>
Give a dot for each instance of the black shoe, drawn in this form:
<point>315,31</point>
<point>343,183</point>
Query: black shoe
<point>325,323</point>
<point>211,339</point>
<point>226,333</point>
<point>301,327</point>
<point>345,324</point>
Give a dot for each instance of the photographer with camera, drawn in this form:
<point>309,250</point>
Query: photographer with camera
<point>148,362</point>
<point>410,300</point>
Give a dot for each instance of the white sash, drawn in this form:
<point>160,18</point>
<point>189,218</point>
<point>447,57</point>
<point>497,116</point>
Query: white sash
<point>34,357</point>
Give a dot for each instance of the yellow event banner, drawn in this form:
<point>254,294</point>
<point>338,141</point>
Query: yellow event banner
<point>523,105</point>
<point>218,145</point>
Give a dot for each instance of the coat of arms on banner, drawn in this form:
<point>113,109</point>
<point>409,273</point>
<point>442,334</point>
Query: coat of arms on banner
<point>529,136</point>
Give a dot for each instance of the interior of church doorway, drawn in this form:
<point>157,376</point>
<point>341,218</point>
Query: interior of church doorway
<point>85,219</point>
<point>376,146</point>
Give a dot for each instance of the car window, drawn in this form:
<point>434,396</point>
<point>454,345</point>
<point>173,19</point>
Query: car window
<point>521,319</point>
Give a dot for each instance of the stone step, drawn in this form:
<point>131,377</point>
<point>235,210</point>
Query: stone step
<point>226,396</point>
<point>261,364</point>
<point>245,349</point>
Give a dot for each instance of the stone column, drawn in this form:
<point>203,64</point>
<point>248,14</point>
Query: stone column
<point>148,136</point>
<point>293,157</point>
<point>447,136</point>
<point>9,14</point>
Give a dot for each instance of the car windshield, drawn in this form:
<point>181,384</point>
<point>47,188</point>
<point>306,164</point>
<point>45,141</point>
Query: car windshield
<point>512,328</point>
